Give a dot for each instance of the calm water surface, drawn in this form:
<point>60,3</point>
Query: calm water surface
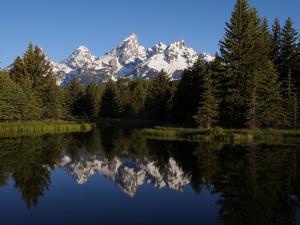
<point>114,176</point>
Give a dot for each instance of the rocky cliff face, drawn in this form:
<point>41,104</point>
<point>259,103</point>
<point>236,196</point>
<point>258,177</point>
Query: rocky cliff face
<point>128,59</point>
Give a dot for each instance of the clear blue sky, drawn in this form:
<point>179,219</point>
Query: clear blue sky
<point>59,26</point>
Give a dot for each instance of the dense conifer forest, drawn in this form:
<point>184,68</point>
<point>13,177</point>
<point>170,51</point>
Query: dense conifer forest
<point>254,82</point>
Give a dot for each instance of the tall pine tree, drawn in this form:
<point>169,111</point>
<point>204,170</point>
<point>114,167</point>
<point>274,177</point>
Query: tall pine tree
<point>270,113</point>
<point>207,113</point>
<point>159,99</point>
<point>288,71</point>
<point>92,100</point>
<point>33,72</point>
<point>245,53</point>
<point>8,98</point>
<point>288,49</point>
<point>110,103</point>
<point>275,43</point>
<point>188,93</point>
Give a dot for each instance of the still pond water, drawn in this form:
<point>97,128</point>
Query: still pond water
<point>115,176</point>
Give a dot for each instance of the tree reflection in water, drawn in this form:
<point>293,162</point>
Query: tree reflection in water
<point>256,183</point>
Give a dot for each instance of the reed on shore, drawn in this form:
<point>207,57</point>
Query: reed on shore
<point>220,134</point>
<point>44,127</point>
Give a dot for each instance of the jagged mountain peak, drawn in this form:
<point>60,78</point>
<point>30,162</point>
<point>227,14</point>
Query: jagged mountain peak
<point>82,48</point>
<point>128,50</point>
<point>178,44</point>
<point>127,59</point>
<point>158,48</point>
<point>79,58</point>
<point>131,37</point>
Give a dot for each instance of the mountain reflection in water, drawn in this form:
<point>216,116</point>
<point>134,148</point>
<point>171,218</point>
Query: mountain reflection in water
<point>254,183</point>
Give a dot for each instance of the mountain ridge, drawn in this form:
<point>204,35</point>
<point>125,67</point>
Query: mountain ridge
<point>127,59</point>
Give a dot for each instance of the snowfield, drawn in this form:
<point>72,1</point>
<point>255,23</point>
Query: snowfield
<point>128,59</point>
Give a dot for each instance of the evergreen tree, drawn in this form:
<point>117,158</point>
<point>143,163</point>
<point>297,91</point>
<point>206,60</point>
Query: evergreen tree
<point>297,77</point>
<point>238,51</point>
<point>290,101</point>
<point>29,104</point>
<point>110,103</point>
<point>8,89</point>
<point>133,94</point>
<point>270,100</point>
<point>16,72</point>
<point>92,100</point>
<point>264,98</point>
<point>289,62</point>
<point>188,93</point>
<point>54,104</point>
<point>124,96</point>
<point>288,50</point>
<point>33,72</point>
<point>252,114</point>
<point>266,36</point>
<point>160,97</point>
<point>138,91</point>
<point>245,53</point>
<point>207,113</point>
<point>72,93</point>
<point>297,64</point>
<point>276,43</point>
<point>34,66</point>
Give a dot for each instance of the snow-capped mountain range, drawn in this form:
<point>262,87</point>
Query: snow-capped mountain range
<point>127,173</point>
<point>128,59</point>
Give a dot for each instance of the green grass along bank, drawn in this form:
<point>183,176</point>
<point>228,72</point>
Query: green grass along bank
<point>43,127</point>
<point>220,134</point>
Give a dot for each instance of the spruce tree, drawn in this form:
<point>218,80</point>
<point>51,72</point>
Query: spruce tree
<point>29,104</point>
<point>92,100</point>
<point>266,36</point>
<point>8,108</point>
<point>33,72</point>
<point>275,43</point>
<point>297,78</point>
<point>110,103</point>
<point>289,73</point>
<point>240,52</point>
<point>54,104</point>
<point>16,72</point>
<point>270,108</point>
<point>288,49</point>
<point>245,52</point>
<point>138,91</point>
<point>160,97</point>
<point>261,100</point>
<point>290,101</point>
<point>297,81</point>
<point>252,114</point>
<point>188,93</point>
<point>72,92</point>
<point>207,113</point>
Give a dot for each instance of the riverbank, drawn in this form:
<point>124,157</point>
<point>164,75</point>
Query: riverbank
<point>220,134</point>
<point>42,127</point>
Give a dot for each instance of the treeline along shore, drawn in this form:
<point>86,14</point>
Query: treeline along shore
<point>253,83</point>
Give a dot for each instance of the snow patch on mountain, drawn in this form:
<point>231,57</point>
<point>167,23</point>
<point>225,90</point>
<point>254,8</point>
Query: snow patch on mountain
<point>128,59</point>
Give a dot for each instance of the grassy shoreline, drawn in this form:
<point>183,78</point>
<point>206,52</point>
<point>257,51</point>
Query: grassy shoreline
<point>219,134</point>
<point>42,127</point>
